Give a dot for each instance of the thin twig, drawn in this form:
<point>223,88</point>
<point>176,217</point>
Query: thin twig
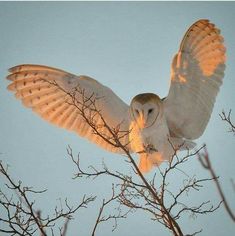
<point>22,218</point>
<point>205,162</point>
<point>227,119</point>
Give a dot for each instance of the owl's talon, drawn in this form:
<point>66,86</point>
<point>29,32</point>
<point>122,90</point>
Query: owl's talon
<point>150,149</point>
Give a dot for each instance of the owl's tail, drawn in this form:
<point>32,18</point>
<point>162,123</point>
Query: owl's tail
<point>149,160</point>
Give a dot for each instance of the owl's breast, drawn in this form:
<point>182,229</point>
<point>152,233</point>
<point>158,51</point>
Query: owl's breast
<point>135,138</point>
<point>154,136</point>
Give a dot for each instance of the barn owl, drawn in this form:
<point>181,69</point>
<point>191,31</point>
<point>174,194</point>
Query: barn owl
<point>156,127</point>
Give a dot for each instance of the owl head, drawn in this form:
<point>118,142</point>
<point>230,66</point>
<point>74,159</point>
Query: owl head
<point>145,109</point>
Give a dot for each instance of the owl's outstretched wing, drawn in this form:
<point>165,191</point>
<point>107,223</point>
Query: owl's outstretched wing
<point>77,103</point>
<point>196,76</point>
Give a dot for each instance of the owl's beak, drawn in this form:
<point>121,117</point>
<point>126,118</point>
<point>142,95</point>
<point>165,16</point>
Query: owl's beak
<point>141,120</point>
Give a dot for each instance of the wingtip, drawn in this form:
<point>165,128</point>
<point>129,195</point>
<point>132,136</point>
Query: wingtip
<point>12,69</point>
<point>11,87</point>
<point>9,77</point>
<point>203,21</point>
<point>16,68</point>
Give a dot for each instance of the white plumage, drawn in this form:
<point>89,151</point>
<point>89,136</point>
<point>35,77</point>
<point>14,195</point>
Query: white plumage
<point>150,126</point>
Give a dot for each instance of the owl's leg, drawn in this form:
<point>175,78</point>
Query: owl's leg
<point>150,148</point>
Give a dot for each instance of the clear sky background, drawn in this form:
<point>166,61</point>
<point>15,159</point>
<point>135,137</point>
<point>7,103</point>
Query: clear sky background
<point>127,46</point>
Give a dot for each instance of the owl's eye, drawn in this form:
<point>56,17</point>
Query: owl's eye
<point>136,111</point>
<point>150,111</point>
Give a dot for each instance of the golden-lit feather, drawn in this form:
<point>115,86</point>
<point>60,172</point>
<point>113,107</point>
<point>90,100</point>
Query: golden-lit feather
<point>196,76</point>
<point>47,91</point>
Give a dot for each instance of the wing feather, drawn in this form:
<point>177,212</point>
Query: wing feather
<point>48,92</point>
<point>196,76</point>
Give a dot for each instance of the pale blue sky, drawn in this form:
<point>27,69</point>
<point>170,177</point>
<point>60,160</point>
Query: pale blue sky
<point>127,46</point>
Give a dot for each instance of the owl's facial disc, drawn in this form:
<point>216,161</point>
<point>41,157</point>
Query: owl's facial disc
<point>145,109</point>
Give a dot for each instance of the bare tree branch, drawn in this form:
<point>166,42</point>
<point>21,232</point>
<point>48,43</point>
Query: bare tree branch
<point>227,118</point>
<point>205,162</point>
<point>114,217</point>
<point>20,216</point>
